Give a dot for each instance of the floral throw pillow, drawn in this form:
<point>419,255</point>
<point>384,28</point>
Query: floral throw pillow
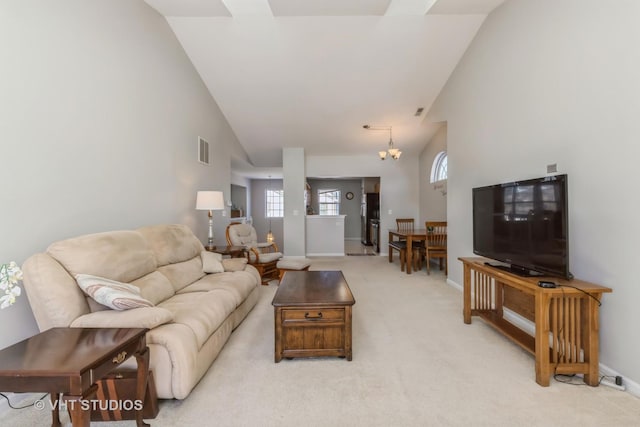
<point>110,293</point>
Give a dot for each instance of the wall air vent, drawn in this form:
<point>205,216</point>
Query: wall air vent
<point>203,151</point>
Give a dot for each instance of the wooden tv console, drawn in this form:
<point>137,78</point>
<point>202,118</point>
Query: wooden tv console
<point>565,317</point>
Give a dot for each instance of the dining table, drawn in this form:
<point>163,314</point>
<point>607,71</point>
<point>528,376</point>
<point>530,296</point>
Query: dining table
<point>415,235</point>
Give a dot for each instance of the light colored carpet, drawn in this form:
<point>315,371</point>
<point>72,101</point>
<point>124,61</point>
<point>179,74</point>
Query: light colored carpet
<point>415,363</point>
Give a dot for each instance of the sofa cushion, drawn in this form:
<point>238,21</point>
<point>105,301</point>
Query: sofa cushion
<point>184,273</point>
<point>144,317</point>
<point>111,293</point>
<point>239,284</point>
<point>118,255</point>
<point>155,287</point>
<point>211,262</point>
<point>171,243</point>
<point>202,312</point>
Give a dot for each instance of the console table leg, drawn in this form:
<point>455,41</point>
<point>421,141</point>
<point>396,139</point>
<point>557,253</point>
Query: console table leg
<point>543,368</point>
<point>591,341</point>
<point>466,311</point>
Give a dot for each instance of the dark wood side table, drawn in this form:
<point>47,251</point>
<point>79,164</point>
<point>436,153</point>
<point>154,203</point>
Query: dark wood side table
<point>67,362</point>
<point>232,251</point>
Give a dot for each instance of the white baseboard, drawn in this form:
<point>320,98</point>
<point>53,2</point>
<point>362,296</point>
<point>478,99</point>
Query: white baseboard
<point>327,254</point>
<point>454,285</point>
<point>632,387</point>
<point>528,326</point>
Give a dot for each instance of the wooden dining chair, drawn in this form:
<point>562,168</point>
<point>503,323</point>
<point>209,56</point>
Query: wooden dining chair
<point>405,225</point>
<point>436,244</point>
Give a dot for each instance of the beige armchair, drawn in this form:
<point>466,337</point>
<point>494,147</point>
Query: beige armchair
<point>263,256</point>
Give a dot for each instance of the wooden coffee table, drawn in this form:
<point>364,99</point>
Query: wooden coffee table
<point>313,315</point>
<point>67,362</point>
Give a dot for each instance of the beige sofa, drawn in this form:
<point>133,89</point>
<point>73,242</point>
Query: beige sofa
<point>193,313</point>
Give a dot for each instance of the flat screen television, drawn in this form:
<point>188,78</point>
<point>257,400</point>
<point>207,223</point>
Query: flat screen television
<point>525,225</point>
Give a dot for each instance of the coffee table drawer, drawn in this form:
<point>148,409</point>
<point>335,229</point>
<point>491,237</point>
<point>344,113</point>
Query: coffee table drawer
<point>312,314</point>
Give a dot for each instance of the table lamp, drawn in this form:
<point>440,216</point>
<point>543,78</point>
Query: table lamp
<point>210,201</point>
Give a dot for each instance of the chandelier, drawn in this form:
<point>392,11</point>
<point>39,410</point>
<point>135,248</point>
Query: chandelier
<point>392,151</point>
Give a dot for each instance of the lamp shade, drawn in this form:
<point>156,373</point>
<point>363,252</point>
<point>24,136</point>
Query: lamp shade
<point>210,201</point>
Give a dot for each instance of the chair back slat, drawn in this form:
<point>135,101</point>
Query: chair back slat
<point>404,224</point>
<point>436,234</point>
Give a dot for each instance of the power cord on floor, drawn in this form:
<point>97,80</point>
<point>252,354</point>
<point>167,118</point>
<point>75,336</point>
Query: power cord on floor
<point>567,379</point>
<point>25,406</point>
<point>561,379</point>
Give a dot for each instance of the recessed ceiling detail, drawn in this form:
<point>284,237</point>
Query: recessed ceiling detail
<point>309,81</point>
<point>329,7</point>
<point>190,7</point>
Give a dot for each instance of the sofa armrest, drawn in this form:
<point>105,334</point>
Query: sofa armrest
<point>143,317</point>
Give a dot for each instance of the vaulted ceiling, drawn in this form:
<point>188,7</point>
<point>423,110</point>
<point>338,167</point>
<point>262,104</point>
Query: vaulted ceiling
<point>311,73</point>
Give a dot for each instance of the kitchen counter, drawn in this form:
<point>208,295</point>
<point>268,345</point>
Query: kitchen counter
<point>325,235</point>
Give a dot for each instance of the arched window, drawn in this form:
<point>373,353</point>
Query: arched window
<point>439,168</point>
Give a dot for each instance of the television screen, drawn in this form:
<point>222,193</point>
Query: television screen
<point>524,224</point>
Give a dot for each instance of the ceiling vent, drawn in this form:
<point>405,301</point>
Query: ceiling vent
<point>419,111</point>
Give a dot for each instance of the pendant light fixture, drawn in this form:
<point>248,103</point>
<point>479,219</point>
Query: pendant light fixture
<point>392,151</point>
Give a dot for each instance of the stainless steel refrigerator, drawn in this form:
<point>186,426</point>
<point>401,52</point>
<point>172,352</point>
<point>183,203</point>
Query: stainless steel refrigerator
<point>370,210</point>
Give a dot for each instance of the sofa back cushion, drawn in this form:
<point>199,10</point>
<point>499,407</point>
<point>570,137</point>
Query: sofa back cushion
<point>177,251</point>
<point>184,273</point>
<point>118,255</point>
<point>171,243</point>
<point>154,287</point>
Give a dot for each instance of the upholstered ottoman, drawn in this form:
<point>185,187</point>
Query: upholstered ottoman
<point>292,264</point>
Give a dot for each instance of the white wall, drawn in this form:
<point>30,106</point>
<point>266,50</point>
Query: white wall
<point>293,184</point>
<point>553,81</point>
<point>398,183</point>
<point>433,203</point>
<point>99,117</point>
